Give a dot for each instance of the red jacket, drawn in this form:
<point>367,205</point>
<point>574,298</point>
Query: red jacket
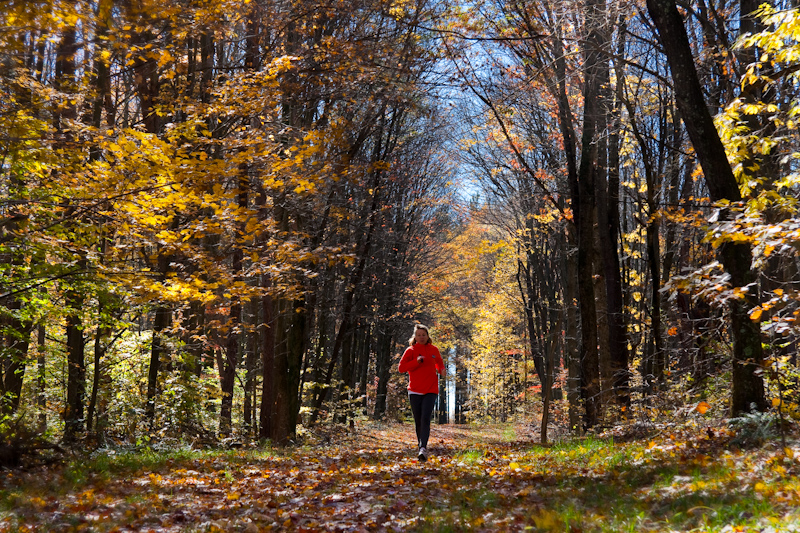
<point>422,377</point>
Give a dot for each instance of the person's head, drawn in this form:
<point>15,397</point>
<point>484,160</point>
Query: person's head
<point>421,335</point>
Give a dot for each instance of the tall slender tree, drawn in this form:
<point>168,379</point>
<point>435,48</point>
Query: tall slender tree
<point>747,382</point>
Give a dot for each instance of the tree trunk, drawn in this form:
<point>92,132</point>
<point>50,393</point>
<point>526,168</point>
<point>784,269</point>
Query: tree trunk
<point>15,331</point>
<point>610,226</point>
<point>279,424</point>
<point>570,273</point>
<point>363,368</point>
<point>341,407</point>
<point>602,235</point>
<point>267,415</point>
<point>654,267</point>
<point>528,296</point>
<point>76,368</point>
<point>163,317</point>
<point>16,340</point>
<point>41,377</point>
<point>462,388</point>
<point>290,340</point>
<point>100,342</point>
<point>383,367</point>
<point>601,304</point>
<point>251,369</point>
<point>230,362</point>
<point>571,345</point>
<point>584,205</point>
<point>76,364</point>
<point>747,383</point>
<point>444,415</point>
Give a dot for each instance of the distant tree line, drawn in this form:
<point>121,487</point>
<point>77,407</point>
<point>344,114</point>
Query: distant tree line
<point>634,220</point>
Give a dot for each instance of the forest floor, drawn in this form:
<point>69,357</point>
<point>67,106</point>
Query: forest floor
<point>481,478</point>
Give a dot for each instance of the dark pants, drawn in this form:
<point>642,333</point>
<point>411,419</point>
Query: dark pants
<point>422,407</point>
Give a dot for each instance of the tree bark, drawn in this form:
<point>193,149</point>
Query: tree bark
<point>289,346</point>
<point>363,367</point>
<point>267,414</point>
<point>76,368</point>
<point>290,340</point>
<point>584,205</point>
<point>571,345</point>
<point>462,388</point>
<point>610,225</point>
<point>163,317</point>
<point>442,407</point>
<point>16,341</point>
<point>41,377</point>
<point>73,300</point>
<point>383,366</point>
<point>251,369</point>
<point>229,363</point>
<point>570,273</point>
<point>102,95</point>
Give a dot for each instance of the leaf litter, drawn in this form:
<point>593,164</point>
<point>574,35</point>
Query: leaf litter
<point>370,480</point>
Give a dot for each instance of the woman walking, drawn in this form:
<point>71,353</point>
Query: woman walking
<point>423,362</point>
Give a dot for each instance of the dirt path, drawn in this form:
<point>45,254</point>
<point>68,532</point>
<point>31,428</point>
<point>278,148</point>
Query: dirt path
<point>369,480</point>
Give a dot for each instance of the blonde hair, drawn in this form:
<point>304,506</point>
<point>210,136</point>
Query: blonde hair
<point>413,340</point>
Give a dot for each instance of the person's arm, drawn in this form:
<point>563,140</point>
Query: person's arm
<point>408,362</point>
<point>439,362</point>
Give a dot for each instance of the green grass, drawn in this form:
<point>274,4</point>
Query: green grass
<point>596,484</point>
<point>469,457</point>
<point>509,433</point>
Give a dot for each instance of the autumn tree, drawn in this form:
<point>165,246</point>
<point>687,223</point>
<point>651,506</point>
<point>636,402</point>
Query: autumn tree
<point>747,381</point>
<point>758,134</point>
